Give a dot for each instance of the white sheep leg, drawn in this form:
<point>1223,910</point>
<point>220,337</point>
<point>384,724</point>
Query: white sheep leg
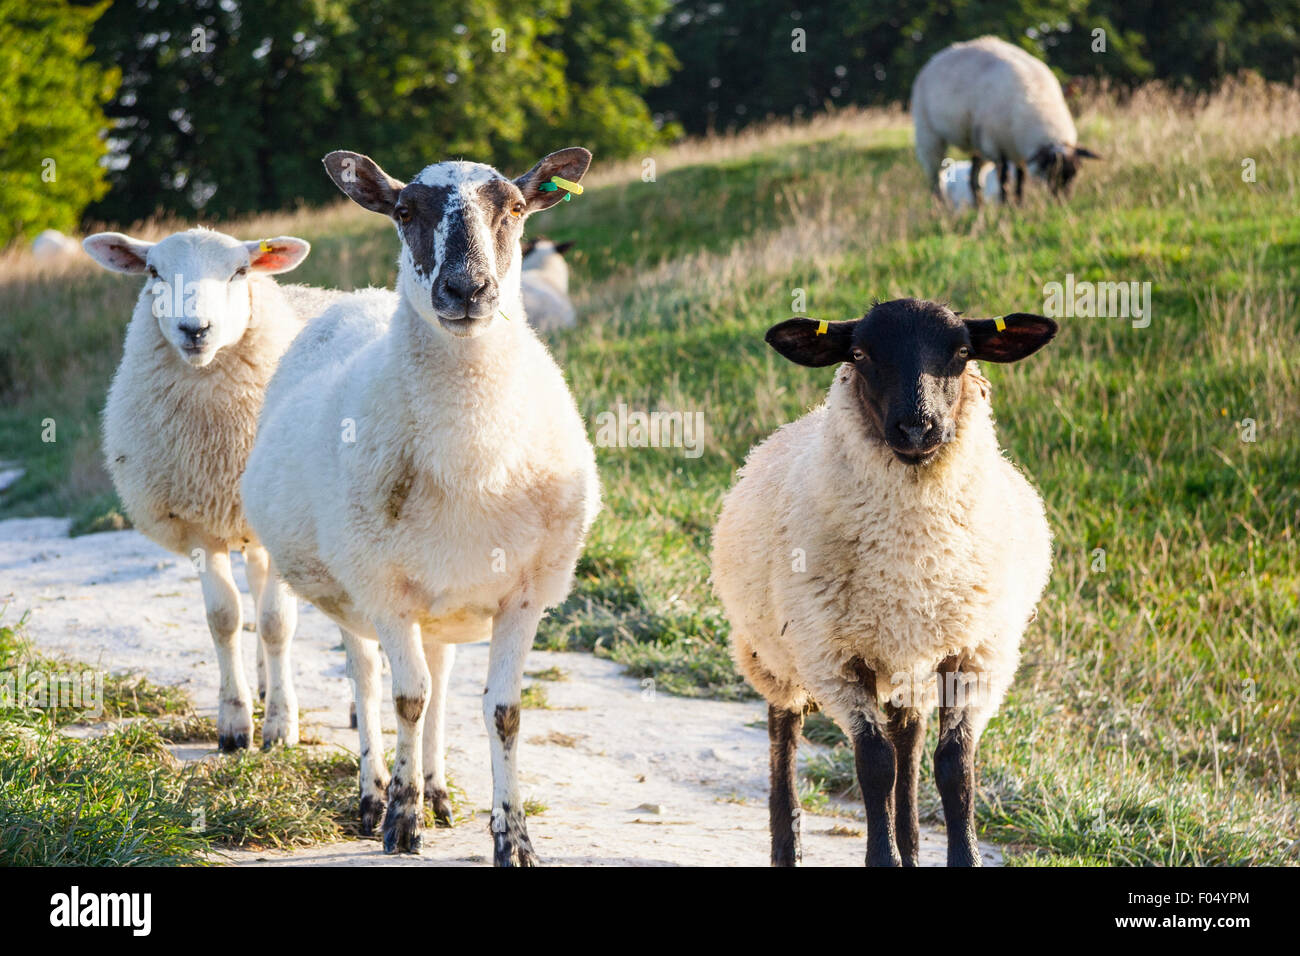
<point>440,658</point>
<point>221,600</point>
<point>367,683</point>
<point>513,631</point>
<point>411,682</point>
<point>255,562</point>
<point>930,150</point>
<point>277,619</point>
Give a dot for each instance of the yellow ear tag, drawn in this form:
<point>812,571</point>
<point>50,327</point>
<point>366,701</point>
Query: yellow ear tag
<point>574,188</point>
<point>1002,326</point>
<point>822,326</point>
<point>264,246</point>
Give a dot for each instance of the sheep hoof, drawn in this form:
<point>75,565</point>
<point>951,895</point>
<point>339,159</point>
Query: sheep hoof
<point>402,832</point>
<point>229,743</point>
<point>440,802</point>
<point>372,811</point>
<point>510,843</point>
<point>403,820</point>
<point>518,855</point>
<point>234,725</point>
<point>278,730</point>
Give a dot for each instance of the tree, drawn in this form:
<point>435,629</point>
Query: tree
<point>52,123</point>
<point>611,56</point>
<point>227,106</point>
<point>744,60</point>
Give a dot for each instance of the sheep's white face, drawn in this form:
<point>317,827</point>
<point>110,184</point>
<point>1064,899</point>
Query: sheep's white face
<point>460,225</point>
<point>197,282</point>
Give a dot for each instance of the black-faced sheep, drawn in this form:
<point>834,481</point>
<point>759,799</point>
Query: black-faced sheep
<point>880,554</point>
<point>998,103</point>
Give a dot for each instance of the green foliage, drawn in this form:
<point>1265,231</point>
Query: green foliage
<point>228,107</point>
<point>739,65</point>
<point>611,55</point>
<point>51,122</point>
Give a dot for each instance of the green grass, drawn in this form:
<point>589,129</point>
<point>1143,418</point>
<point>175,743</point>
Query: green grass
<point>122,799</point>
<point>1155,715</point>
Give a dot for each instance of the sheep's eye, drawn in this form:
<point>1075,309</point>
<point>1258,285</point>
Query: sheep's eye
<point>517,210</point>
<point>963,352</point>
<point>239,273</point>
<point>403,214</point>
<point>858,354</point>
<point>153,273</point>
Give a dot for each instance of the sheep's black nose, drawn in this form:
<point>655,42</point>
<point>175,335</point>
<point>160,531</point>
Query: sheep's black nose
<point>195,334</point>
<point>916,433</point>
<point>464,288</point>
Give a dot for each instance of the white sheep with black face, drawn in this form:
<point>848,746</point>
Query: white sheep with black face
<point>880,555</point>
<point>422,475</point>
<point>993,100</point>
<point>207,330</point>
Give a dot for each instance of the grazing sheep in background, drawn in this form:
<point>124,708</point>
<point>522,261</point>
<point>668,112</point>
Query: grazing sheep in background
<point>955,180</point>
<point>998,103</point>
<point>545,284</point>
<point>52,244</point>
<point>877,543</point>
<point>422,475</point>
<point>206,334</point>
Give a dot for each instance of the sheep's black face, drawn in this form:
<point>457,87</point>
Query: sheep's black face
<point>1059,165</point>
<point>909,358</point>
<point>460,225</point>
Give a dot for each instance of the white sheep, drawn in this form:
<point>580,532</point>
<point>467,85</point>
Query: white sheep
<point>1000,104</point>
<point>955,179</point>
<point>207,330</point>
<point>877,545</point>
<point>545,285</point>
<point>52,244</point>
<point>422,475</point>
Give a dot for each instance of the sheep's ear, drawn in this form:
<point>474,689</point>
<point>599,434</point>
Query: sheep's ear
<point>1086,153</point>
<point>277,255</point>
<point>812,342</point>
<point>564,247</point>
<point>1010,338</point>
<point>117,252</point>
<point>364,182</point>
<point>570,164</point>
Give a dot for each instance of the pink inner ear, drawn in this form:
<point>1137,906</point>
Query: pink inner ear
<point>122,256</point>
<point>275,259</point>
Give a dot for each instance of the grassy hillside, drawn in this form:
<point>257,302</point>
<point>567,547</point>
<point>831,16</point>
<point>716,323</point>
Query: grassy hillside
<point>1155,715</point>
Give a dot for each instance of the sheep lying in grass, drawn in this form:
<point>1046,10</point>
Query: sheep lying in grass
<point>52,244</point>
<point>877,542</point>
<point>998,103</point>
<point>206,334</point>
<point>422,475</point>
<point>545,284</point>
<point>955,181</point>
